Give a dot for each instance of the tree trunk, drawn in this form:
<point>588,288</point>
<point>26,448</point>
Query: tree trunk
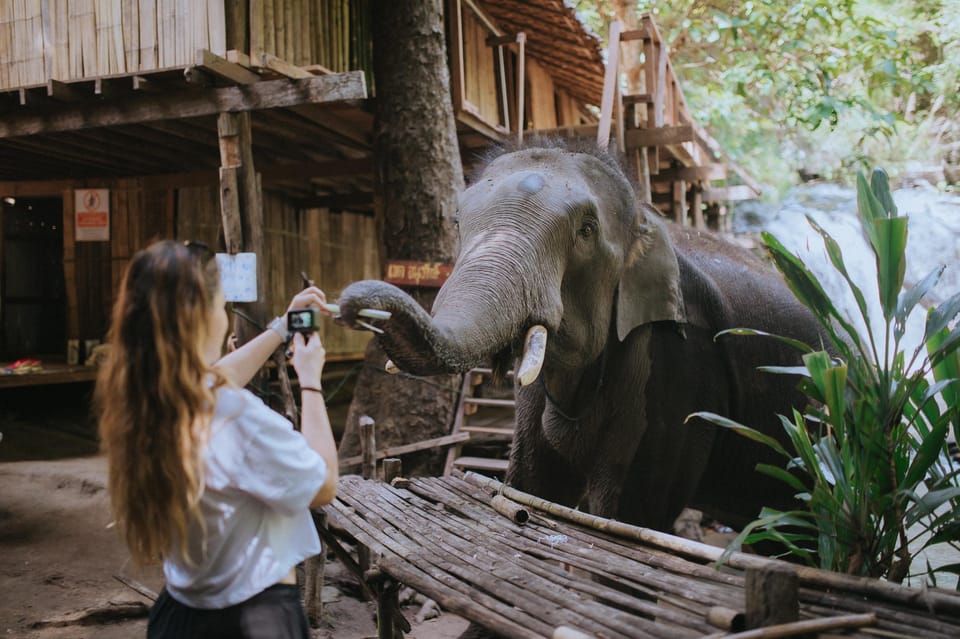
<point>419,178</point>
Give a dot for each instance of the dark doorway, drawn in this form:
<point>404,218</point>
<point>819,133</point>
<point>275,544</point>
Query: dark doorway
<point>32,293</point>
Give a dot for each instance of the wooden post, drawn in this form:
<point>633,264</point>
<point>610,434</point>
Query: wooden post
<point>391,468</point>
<point>242,212</point>
<point>521,83</point>
<point>313,569</point>
<point>368,450</point>
<point>387,602</point>
<point>368,445</point>
<point>608,101</point>
<point>697,206</point>
<point>644,176</point>
<point>680,202</point>
<point>771,596</point>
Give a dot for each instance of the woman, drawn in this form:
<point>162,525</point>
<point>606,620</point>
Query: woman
<point>202,474</point>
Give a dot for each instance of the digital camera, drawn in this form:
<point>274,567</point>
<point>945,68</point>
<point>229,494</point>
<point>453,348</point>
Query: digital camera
<point>302,321</point>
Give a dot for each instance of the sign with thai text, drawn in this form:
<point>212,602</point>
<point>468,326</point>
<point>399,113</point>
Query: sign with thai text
<point>91,215</point>
<point>411,273</point>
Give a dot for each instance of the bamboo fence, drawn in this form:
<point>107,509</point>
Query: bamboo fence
<point>563,568</point>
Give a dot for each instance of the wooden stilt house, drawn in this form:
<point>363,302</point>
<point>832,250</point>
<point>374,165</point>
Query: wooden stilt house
<point>247,124</point>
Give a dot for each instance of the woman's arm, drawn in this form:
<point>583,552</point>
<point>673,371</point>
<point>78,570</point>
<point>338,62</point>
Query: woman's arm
<point>242,364</point>
<point>308,360</point>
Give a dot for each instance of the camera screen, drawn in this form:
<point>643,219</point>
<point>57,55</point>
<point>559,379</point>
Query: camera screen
<point>300,320</point>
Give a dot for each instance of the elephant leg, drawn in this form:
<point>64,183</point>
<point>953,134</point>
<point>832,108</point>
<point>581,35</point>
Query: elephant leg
<point>536,467</point>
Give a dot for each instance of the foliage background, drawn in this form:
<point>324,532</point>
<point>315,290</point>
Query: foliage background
<point>819,87</point>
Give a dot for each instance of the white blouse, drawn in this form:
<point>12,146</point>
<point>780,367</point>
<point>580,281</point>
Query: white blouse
<point>260,478</point>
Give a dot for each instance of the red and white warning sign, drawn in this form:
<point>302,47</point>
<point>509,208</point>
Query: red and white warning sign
<point>92,215</point>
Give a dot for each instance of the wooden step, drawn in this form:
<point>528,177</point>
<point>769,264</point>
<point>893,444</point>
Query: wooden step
<point>488,430</point>
<point>481,463</point>
<point>483,401</point>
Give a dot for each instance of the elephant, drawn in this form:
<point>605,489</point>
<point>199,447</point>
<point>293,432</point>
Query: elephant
<point>609,316</point>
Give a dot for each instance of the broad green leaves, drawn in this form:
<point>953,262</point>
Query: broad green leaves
<point>868,456</point>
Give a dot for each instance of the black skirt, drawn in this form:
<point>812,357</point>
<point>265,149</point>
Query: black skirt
<point>275,613</point>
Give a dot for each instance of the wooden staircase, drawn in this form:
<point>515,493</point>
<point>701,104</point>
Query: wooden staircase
<point>486,413</point>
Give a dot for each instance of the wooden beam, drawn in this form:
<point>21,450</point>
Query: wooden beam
<point>729,193</point>
<point>659,136</point>
<point>706,172</point>
<point>32,96</point>
<point>200,177</point>
<point>395,451</point>
<point>611,80</point>
<point>223,68</point>
<point>281,66</point>
<point>637,98</point>
<point>238,57</point>
<point>63,92</point>
<point>189,103</point>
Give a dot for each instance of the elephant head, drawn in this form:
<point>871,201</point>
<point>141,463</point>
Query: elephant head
<point>549,238</point>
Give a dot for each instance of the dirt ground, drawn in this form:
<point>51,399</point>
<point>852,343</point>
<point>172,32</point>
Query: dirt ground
<point>59,559</point>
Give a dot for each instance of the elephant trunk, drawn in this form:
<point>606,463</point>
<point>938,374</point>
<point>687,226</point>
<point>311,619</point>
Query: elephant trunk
<point>481,312</point>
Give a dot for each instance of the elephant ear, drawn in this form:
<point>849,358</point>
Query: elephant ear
<point>649,289</point>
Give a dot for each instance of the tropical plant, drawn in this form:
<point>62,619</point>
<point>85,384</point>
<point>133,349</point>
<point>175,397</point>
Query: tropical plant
<point>868,457</point>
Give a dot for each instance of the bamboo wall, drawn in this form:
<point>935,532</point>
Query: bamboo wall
<point>340,32</point>
<point>74,39</point>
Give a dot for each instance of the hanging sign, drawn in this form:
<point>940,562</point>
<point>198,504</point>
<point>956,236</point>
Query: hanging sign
<point>91,215</point>
<point>238,276</point>
<point>411,273</point>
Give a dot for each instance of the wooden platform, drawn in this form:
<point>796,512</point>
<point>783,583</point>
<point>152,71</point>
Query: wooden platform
<point>441,537</point>
<point>52,373</point>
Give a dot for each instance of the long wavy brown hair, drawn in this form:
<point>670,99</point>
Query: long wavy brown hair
<point>155,398</point>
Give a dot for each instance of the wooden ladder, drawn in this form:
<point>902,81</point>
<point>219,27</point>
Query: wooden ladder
<point>488,424</point>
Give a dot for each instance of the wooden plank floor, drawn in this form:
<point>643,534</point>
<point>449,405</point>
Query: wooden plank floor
<point>441,537</point>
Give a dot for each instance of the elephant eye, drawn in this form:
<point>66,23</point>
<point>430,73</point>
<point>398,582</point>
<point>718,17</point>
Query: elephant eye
<point>588,228</point>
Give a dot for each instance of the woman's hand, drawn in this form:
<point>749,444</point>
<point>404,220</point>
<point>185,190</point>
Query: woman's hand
<point>310,297</point>
<point>309,356</point>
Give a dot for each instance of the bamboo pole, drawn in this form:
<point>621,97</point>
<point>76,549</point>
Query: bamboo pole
<point>148,34</point>
<point>807,627</point>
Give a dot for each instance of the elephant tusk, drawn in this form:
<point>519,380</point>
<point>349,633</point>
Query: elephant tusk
<point>534,349</point>
<point>390,367</point>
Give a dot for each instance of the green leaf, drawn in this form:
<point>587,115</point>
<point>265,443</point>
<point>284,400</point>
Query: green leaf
<point>740,429</point>
<point>891,234</point>
<point>757,333</point>
<point>940,317</point>
<point>785,370</point>
<point>869,207</point>
<point>928,453</point>
<point>933,500</point>
<point>836,258</point>
<point>779,473</point>
<point>880,185</point>
<point>947,348</point>
<point>912,296</point>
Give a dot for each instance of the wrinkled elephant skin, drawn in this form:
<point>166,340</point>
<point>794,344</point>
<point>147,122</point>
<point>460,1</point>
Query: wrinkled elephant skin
<point>631,306</point>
